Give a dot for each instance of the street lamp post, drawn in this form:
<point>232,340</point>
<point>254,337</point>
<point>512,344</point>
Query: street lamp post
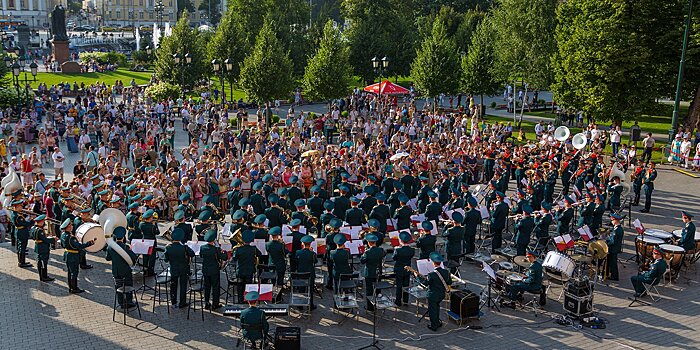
<point>183,64</point>
<point>380,67</point>
<point>159,7</point>
<point>221,70</point>
<point>681,67</point>
<point>17,68</point>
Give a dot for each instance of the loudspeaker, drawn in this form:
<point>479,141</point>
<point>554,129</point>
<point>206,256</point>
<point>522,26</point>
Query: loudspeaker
<point>578,306</point>
<point>464,303</point>
<point>288,338</point>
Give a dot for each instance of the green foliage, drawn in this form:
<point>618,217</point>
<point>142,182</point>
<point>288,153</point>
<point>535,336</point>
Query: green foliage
<point>436,67</point>
<point>379,28</point>
<point>4,78</point>
<point>227,43</point>
<point>266,73</point>
<point>184,40</point>
<point>292,21</point>
<point>140,57</point>
<point>525,40</point>
<point>163,91</point>
<point>477,64</point>
<point>104,58</point>
<point>10,98</point>
<point>185,6</point>
<point>328,73</point>
<point>600,67</point>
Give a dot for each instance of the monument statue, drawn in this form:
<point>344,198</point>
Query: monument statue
<point>58,23</point>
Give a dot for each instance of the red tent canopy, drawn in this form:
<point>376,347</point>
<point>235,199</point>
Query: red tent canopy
<point>386,87</point>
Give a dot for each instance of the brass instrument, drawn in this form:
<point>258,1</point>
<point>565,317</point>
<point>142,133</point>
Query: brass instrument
<point>312,219</point>
<point>546,166</point>
<point>237,237</point>
<point>34,215</point>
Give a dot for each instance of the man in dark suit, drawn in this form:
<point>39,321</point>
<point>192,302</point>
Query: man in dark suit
<point>178,255</point>
<point>372,258</point>
<point>438,283</point>
<point>212,259</point>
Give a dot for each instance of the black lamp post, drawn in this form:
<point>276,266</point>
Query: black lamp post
<point>221,70</point>
<point>380,67</point>
<point>159,7</point>
<point>17,68</point>
<point>182,63</point>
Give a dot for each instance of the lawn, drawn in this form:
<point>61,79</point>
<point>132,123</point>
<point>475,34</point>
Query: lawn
<point>108,78</point>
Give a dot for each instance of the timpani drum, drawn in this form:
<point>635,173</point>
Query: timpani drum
<point>559,263</point>
<point>645,245</point>
<point>674,254</point>
<point>88,232</point>
<point>661,234</point>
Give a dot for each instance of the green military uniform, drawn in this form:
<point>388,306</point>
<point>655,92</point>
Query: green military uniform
<point>372,259</point>
<point>426,244</point>
<point>649,178</point>
<point>455,236</point>
<point>438,283</point>
<point>132,223</point>
<point>523,230</point>
<point>402,257</point>
<point>21,227</point>
<point>71,255</point>
<point>381,212</point>
<point>652,276</point>
<point>121,269</point>
<point>245,257</point>
<point>542,229</point>
<point>253,321</point>
<point>687,240</point>
<point>355,216</point>
<point>341,264</point>
<point>614,242</point>
<point>564,218</point>
<point>306,260</point>
<point>179,255</point>
<point>211,256</point>
<point>403,216</point>
<point>472,219</point>
<point>150,231</point>
<point>531,283</point>
<point>42,246</point>
<point>498,222</point>
<point>276,253</point>
<point>585,214</point>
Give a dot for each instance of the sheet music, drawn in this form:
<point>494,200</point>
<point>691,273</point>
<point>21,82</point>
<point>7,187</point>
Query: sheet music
<point>425,266</point>
<point>195,246</point>
<point>226,232</point>
<point>413,203</point>
<point>450,212</point>
<point>418,218</point>
<point>260,244</point>
<point>164,227</point>
<point>319,243</point>
<point>354,247</point>
<point>487,268</point>
<point>141,246</point>
<point>484,212</point>
<point>353,231</point>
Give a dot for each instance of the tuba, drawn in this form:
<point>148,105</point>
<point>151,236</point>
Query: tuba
<point>579,141</point>
<point>110,219</point>
<point>562,133</point>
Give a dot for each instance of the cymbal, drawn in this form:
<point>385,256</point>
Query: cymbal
<point>580,258</point>
<point>521,261</point>
<point>499,258</point>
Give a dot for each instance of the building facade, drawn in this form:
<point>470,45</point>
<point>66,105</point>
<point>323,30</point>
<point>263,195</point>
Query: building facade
<point>34,13</point>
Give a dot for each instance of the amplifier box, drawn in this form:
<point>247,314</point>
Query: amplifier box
<point>288,338</point>
<point>464,303</point>
<point>578,306</point>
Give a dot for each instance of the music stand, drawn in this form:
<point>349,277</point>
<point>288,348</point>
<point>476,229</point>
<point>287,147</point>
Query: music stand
<point>490,302</point>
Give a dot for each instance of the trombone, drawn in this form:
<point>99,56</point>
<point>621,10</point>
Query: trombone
<point>34,215</point>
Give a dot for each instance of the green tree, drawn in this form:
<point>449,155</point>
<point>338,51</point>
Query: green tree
<point>212,9</point>
<point>184,5</point>
<point>477,64</point>
<point>328,73</point>
<point>184,40</point>
<point>292,28</point>
<point>4,77</point>
<point>228,43</point>
<point>525,40</point>
<point>266,73</point>
<point>600,67</point>
<point>436,67</point>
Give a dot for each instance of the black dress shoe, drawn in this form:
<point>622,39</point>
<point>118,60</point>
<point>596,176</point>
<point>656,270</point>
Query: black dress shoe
<point>329,287</point>
<point>182,306</point>
<point>25,265</point>
<point>441,324</point>
<point>207,306</point>
<point>432,329</point>
<point>643,211</point>
<point>85,267</point>
<point>76,291</point>
<point>216,306</point>
<point>47,279</point>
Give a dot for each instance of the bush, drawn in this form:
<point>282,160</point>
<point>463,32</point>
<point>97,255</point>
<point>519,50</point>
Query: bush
<point>104,58</point>
<point>493,105</point>
<point>9,98</point>
<point>140,57</point>
<point>344,114</point>
<point>275,119</point>
<point>163,91</point>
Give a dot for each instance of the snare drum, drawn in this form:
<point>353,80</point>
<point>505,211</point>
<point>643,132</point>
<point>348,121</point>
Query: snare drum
<point>677,233</point>
<point>645,245</point>
<point>673,253</point>
<point>89,231</point>
<point>559,263</point>
<point>513,279</point>
<point>506,265</point>
<point>661,234</point>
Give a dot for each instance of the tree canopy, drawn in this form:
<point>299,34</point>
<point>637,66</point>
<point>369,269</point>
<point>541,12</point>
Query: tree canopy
<point>328,73</point>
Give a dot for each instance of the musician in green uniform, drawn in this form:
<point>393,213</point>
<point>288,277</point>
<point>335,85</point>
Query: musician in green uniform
<point>296,242</point>
<point>182,225</point>
<point>342,202</point>
<point>649,178</point>
<point>275,213</point>
<point>438,283</point>
<point>423,199</point>
<point>598,214</point>
<point>523,230</point>
<point>42,247</point>
<point>434,209</point>
<point>652,276</point>
<point>532,281</point>
<point>454,236</point>
<point>564,216</point>
<point>178,255</point>
<point>71,254</point>
<point>121,268</point>
<point>372,258</point>
<point>149,231</point>
<point>330,235</point>
<point>615,189</point>
<point>277,253</point>
<point>614,242</point>
<point>212,260</point>
<point>315,203</point>
<point>340,257</point>
<point>402,257</point>
<point>369,202</point>
<point>77,221</point>
<point>542,222</point>
<point>253,321</point>
<point>326,217</point>
<point>355,216</point>
<point>321,183</point>
<point>21,227</point>
<point>259,227</point>
<point>306,260</point>
<point>426,243</point>
<point>499,216</point>
<point>132,222</point>
<point>245,258</point>
<point>471,223</point>
<point>301,214</point>
<point>585,211</point>
<point>187,207</point>
<point>381,211</point>
<point>257,201</point>
<point>234,195</point>
<point>687,240</point>
<point>402,216</point>
<point>203,226</point>
<point>102,203</point>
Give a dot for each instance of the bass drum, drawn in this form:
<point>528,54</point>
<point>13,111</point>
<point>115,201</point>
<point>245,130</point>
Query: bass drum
<point>89,231</point>
<point>559,263</point>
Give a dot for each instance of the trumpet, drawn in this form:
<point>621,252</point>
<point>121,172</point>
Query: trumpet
<point>34,215</point>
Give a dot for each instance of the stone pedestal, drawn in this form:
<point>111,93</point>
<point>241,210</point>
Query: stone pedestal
<point>60,51</point>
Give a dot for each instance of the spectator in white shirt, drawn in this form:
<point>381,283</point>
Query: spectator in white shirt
<point>58,159</point>
<point>615,138</point>
<point>648,147</point>
<point>103,151</point>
